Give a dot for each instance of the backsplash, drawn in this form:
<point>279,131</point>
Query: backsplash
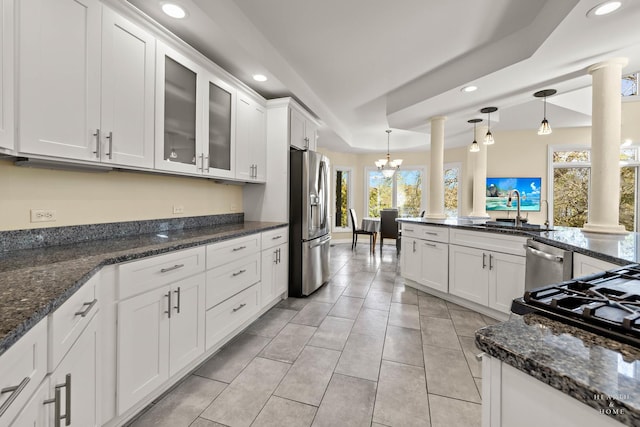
<point>42,237</point>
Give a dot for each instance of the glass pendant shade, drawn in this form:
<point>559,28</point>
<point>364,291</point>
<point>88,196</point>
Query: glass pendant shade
<point>544,129</point>
<point>387,166</point>
<point>474,147</point>
<point>488,138</point>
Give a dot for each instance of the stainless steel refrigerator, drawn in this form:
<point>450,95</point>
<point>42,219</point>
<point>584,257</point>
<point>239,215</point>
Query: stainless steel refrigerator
<point>309,239</point>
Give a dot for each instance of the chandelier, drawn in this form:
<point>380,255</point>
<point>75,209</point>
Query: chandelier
<point>387,166</point>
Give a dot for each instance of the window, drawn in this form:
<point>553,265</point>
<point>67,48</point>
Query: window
<point>629,85</point>
<point>404,191</point>
<point>451,186</point>
<point>342,198</point>
<point>570,188</point>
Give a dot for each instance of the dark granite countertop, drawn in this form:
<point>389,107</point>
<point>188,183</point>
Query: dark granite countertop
<point>34,282</point>
<point>618,249</point>
<point>597,371</point>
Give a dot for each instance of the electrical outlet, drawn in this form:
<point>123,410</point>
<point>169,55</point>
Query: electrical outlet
<point>43,215</point>
<point>178,209</point>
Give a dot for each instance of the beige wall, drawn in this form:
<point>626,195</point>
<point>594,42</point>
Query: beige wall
<point>89,197</point>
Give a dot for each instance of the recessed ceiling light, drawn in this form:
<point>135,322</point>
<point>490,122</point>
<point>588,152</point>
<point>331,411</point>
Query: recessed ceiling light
<point>470,88</point>
<point>604,8</point>
<point>260,77</point>
<point>173,10</point>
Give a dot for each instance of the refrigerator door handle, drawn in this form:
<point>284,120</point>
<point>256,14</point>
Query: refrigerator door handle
<point>322,193</point>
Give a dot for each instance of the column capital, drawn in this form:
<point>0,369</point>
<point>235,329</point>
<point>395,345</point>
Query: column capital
<point>622,62</point>
<point>438,118</point>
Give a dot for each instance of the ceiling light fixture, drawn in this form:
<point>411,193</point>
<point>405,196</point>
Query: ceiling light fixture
<point>260,77</point>
<point>468,89</point>
<point>488,138</point>
<point>387,166</point>
<point>545,128</point>
<point>174,11</point>
<point>474,145</point>
<point>604,8</point>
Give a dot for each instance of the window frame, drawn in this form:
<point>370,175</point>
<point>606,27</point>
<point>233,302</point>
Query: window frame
<point>394,187</point>
<point>334,177</point>
<point>456,165</point>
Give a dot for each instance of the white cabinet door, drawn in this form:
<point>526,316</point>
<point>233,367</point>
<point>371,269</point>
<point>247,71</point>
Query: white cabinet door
<point>179,112</point>
<point>251,139</point>
<point>143,345</point>
<point>35,413</point>
<point>128,76</point>
<point>60,78</point>
<point>434,263</point>
<point>584,265</point>
<point>468,273</point>
<point>410,258</point>
<point>186,332</point>
<point>78,374</point>
<point>297,135</point>
<point>218,154</point>
<point>281,277</point>
<point>6,75</point>
<point>506,280</point>
<point>275,273</point>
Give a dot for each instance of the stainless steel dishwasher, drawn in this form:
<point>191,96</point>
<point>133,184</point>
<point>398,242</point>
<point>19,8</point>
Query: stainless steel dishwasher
<point>546,265</point>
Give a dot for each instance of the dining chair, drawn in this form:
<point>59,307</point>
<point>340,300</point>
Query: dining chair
<point>389,226</point>
<point>357,231</point>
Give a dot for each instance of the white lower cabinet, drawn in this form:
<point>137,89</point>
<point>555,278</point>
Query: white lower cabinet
<point>584,265</point>
<point>275,272</point>
<point>410,263</point>
<point>489,278</point>
<point>159,333</point>
<point>225,317</point>
<point>434,261</point>
<point>35,413</point>
<point>74,384</point>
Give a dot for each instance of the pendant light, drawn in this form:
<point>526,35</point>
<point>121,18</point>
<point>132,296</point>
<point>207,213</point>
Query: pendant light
<point>488,138</point>
<point>474,145</point>
<point>545,129</point>
<point>387,166</point>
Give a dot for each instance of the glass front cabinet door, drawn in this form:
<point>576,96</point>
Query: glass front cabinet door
<point>194,120</point>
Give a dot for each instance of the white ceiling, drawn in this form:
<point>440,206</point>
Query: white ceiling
<point>363,66</point>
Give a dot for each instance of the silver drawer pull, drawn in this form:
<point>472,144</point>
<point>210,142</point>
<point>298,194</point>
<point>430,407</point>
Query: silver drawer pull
<point>239,307</point>
<point>431,233</point>
<point>175,267</point>
<point>479,356</point>
<point>86,311</point>
<point>238,273</point>
<point>276,238</point>
<point>409,229</point>
<point>15,392</point>
<point>431,244</point>
<point>239,248</point>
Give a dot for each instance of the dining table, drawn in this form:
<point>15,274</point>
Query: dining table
<point>373,225</point>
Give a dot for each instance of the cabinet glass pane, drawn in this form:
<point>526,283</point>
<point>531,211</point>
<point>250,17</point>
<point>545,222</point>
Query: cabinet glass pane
<point>179,113</point>
<point>219,128</point>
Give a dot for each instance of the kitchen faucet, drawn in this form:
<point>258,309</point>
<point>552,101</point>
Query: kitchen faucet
<point>546,220</point>
<point>518,217</point>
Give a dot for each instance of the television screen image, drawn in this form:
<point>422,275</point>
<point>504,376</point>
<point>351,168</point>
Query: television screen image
<point>498,194</point>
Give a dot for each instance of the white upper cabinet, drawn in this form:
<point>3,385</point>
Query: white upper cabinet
<point>128,71</point>
<point>304,132</point>
<point>218,153</point>
<point>86,84</point>
<point>60,78</point>
<point>251,140</point>
<point>6,75</point>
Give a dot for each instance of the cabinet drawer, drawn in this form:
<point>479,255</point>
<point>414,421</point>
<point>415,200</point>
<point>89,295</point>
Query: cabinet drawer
<point>426,232</point>
<point>140,276</point>
<point>497,242</point>
<point>69,320</point>
<point>230,314</point>
<point>411,230</point>
<point>229,279</point>
<point>275,237</point>
<point>23,366</point>
<point>232,250</point>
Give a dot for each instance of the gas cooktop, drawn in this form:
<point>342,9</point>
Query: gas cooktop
<point>606,303</point>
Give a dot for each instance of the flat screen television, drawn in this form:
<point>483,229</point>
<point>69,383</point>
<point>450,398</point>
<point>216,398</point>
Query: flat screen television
<point>498,194</point>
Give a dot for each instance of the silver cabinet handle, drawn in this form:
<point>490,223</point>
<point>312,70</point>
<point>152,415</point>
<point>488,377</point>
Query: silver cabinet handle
<point>490,261</point>
<point>201,162</point>
<point>414,246</point>
<point>168,269</point>
<point>238,273</point>
<point>306,141</point>
<point>110,138</point>
<point>177,307</point>
<point>479,356</point>
<point>56,401</point>
<point>431,233</point>
<point>89,305</point>
<point>431,244</point>
<point>15,392</point>
<point>205,160</point>
<point>97,135</point>
<point>239,248</point>
<point>276,237</point>
<point>239,307</point>
<point>279,256</point>
<point>256,174</point>
<point>168,295</point>
<point>275,260</point>
<point>409,229</point>
<point>484,260</point>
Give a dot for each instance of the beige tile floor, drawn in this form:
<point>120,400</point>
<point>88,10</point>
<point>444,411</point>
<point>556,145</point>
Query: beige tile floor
<point>364,350</point>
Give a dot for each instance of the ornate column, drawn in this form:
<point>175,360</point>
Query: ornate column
<point>435,209</point>
<point>480,176</point>
<point>606,105</point>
